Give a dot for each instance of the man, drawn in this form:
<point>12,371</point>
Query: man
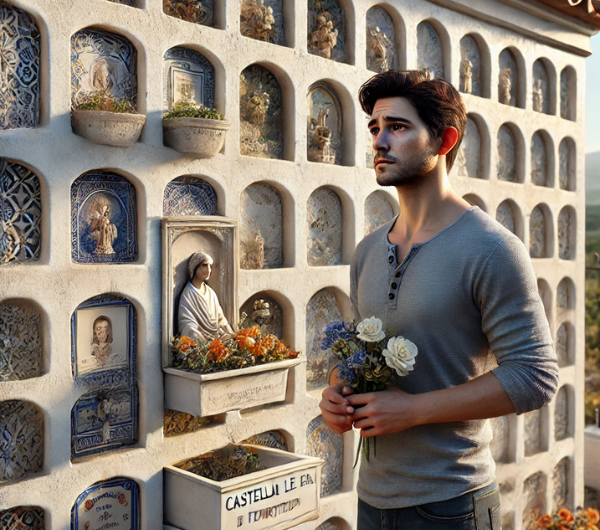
<point>452,280</point>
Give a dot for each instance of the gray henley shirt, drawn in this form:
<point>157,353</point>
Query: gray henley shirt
<point>468,291</point>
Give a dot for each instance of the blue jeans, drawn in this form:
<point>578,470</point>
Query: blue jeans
<point>477,510</point>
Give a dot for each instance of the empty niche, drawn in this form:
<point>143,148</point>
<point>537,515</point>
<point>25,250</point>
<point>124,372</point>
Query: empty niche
<point>561,491</point>
<point>541,88</point>
<point>274,439</point>
<point>505,215</point>
<point>323,443</point>
<point>21,210</point>
<point>20,71</point>
<point>470,66</point>
<point>378,211</point>
<point>197,11</point>
<point>564,346</point>
<point>500,443</point>
<point>102,63</point>
<point>189,77</point>
<point>546,297</point>
<point>260,113</point>
<point>429,50</point>
<point>21,354</point>
<point>324,215</point>
<point>566,165</point>
<point>565,300</point>
<point>540,163</point>
<point>381,41</point>
<point>263,310</point>
<point>322,309</point>
<point>532,426</point>
<point>261,227</point>
<point>508,89</point>
<point>475,200</point>
<point>566,233</point>
<point>539,235</point>
<point>22,431</point>
<point>262,20</point>
<point>507,155</point>
<point>534,496</point>
<point>324,125</point>
<point>568,94</point>
<point>22,518</point>
<point>326,30</point>
<point>468,160</point>
<point>561,414</point>
<point>91,509</point>
<point>189,195</point>
<point>103,219</point>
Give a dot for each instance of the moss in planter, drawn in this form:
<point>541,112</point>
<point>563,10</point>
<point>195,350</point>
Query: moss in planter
<point>217,465</point>
<point>176,423</point>
<point>187,109</point>
<point>104,102</point>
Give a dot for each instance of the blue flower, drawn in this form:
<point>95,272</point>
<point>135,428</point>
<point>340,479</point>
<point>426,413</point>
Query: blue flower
<point>336,331</point>
<point>357,359</point>
<point>347,372</point>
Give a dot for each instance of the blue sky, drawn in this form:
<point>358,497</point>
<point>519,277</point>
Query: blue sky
<point>592,111</point>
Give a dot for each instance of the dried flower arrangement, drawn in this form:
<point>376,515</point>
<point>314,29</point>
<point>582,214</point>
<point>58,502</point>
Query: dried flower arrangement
<point>584,519</point>
<point>218,466</point>
<point>105,102</point>
<point>189,109</point>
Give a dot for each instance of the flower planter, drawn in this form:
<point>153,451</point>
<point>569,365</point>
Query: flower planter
<point>208,394</point>
<point>118,129</point>
<point>199,137</point>
<point>281,496</point>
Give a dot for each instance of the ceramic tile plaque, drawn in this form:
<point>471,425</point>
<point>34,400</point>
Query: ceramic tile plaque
<point>323,443</point>
<point>22,518</point>
<point>108,504</point>
<point>103,219</point>
<point>189,195</point>
<point>189,77</point>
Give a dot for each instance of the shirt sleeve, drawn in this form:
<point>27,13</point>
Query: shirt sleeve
<point>515,323</point>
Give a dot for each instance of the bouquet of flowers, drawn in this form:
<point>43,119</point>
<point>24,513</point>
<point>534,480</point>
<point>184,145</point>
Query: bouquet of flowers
<point>369,357</point>
<point>248,347</point>
<point>564,520</point>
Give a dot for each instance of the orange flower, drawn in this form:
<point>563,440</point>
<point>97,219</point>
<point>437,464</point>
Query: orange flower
<point>244,342</point>
<point>217,351</point>
<point>593,527</point>
<point>593,516</point>
<point>185,343</point>
<point>253,332</point>
<point>565,515</point>
<point>269,342</point>
<point>257,350</point>
<point>292,354</point>
<point>544,521</point>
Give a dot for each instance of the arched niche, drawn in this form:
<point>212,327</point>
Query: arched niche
<point>102,62</point>
<point>21,207</point>
<point>22,518</point>
<point>475,200</point>
<point>430,55</point>
<point>568,93</point>
<point>20,71</point>
<point>567,168</point>
<point>510,154</point>
<point>474,66</point>
<point>546,295</point>
<point>330,524</point>
<point>566,233</point>
<point>189,77</point>
<point>325,228</point>
<point>261,109</point>
<point>22,428</point>
<point>500,443</point>
<point>197,11</point>
<point>561,485</point>
<point>263,20</point>
<point>544,79</point>
<point>469,161</point>
<point>540,233</point>
<point>510,80</point>
<point>565,296</point>
<point>562,413</point>
<point>261,227</point>
<point>542,162</point>
<point>325,125</point>
<point>534,499</point>
<point>130,3</point>
<point>323,443</point>
<point>532,432</point>
<point>565,344</point>
<point>280,319</point>
<point>381,41</point>
<point>103,219</point>
<point>327,30</point>
<point>21,340</point>
<point>379,209</point>
<point>508,214</point>
<point>274,439</point>
<point>189,195</point>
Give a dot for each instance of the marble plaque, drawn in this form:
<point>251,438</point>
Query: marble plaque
<point>500,443</point>
<point>470,66</point>
<point>560,485</point>
<point>563,347</point>
<point>534,496</point>
<point>566,165</point>
<point>320,311</point>
<point>507,149</point>
<point>508,78</point>
<point>429,50</point>
<point>262,20</point>
<point>378,211</point>
<point>505,216</point>
<point>532,422</point>
<point>323,443</point>
<point>561,414</point>
<point>540,88</point>
<point>102,62</point>
<point>189,195</point>
<point>103,219</point>
<point>22,435</point>
<point>537,234</point>
<point>20,71</point>
<point>565,231</point>
<point>261,132</point>
<point>539,161</point>
<point>468,159</point>
<point>324,127</point>
<point>107,504</point>
<point>197,11</point>
<point>20,213</point>
<point>273,439</point>
<point>261,228</point>
<point>381,41</point>
<point>20,342</point>
<point>324,215</point>
<point>22,518</point>
<point>326,30</point>
<point>189,77</point>
<point>254,309</point>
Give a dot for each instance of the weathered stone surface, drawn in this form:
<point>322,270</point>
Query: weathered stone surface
<point>539,161</point>
<point>500,442</point>
<point>108,128</point>
<point>537,234</point>
<point>566,165</point>
<point>508,80</point>
<point>324,127</point>
<point>323,443</point>
<point>468,159</point>
<point>324,216</point>
<point>429,50</point>
<point>507,166</point>
<point>378,211</point>
<point>561,414</point>
<point>381,40</point>
<point>532,432</point>
<point>560,485</point>
<point>197,137</point>
<point>565,231</point>
<point>470,66</point>
<point>534,494</point>
<point>505,216</point>
<point>563,347</point>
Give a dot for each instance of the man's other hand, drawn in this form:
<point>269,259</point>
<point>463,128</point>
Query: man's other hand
<point>335,409</point>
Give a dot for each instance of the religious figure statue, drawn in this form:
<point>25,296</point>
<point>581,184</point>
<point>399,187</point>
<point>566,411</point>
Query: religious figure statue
<point>103,231</point>
<point>505,86</point>
<point>324,38</point>
<point>380,43</point>
<point>191,11</point>
<point>538,95</point>
<point>467,76</point>
<point>200,315</point>
<point>320,149</point>
<point>257,20</point>
<point>103,76</point>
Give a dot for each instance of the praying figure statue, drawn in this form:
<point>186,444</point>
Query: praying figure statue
<point>467,76</point>
<point>538,96</point>
<point>320,149</point>
<point>200,315</point>
<point>324,38</point>
<point>505,87</point>
<point>379,46</point>
<point>103,231</point>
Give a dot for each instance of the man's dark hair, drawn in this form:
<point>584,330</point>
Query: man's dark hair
<point>437,102</point>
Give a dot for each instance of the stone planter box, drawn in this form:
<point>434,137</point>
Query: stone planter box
<point>209,394</point>
<point>197,137</point>
<point>118,129</point>
<point>281,496</point>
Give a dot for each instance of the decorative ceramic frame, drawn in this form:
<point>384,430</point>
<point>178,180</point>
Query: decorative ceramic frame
<point>197,194</point>
<point>190,63</point>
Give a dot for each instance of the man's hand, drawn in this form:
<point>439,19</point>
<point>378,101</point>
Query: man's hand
<point>335,410</point>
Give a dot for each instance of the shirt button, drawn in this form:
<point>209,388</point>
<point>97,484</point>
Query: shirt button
<point>391,259</point>
<point>391,296</point>
<point>397,275</point>
<point>394,285</point>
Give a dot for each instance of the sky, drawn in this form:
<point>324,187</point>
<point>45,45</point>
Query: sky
<point>592,111</point>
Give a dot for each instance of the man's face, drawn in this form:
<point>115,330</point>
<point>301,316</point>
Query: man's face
<point>203,271</point>
<point>405,151</point>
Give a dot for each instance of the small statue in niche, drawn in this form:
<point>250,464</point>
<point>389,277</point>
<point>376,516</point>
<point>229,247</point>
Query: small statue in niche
<point>200,315</point>
<point>505,86</point>
<point>380,43</point>
<point>254,250</point>
<point>538,95</point>
<point>257,21</point>
<point>320,149</point>
<point>466,76</point>
<point>102,338</point>
<point>103,231</point>
<point>254,107</point>
<point>324,38</point>
<point>261,316</point>
<point>103,76</point>
<point>191,11</point>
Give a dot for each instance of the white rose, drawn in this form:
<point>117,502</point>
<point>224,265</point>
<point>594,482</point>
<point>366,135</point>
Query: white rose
<point>370,330</point>
<point>400,355</point>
